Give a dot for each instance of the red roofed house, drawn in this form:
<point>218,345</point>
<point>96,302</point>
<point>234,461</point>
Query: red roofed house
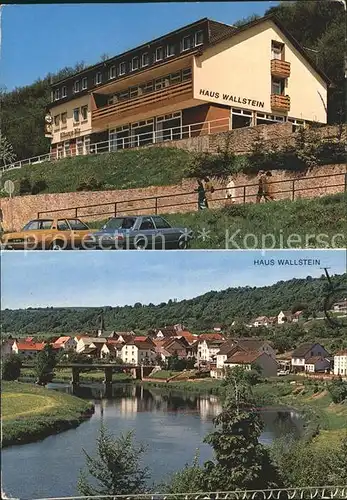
<point>317,364</point>
<point>248,359</point>
<point>137,353</point>
<point>27,349</point>
<point>190,338</point>
<point>211,336</point>
<point>64,343</point>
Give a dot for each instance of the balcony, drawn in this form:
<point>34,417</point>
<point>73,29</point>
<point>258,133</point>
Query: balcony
<point>280,102</point>
<point>280,68</point>
<point>142,104</point>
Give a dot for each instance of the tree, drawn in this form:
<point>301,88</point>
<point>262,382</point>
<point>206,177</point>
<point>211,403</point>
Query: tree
<point>338,390</point>
<point>190,479</point>
<point>7,155</point>
<point>116,470</point>
<point>44,365</point>
<point>11,367</point>
<point>241,461</point>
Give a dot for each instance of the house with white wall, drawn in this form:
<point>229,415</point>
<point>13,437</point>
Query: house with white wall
<point>304,352</point>
<point>138,352</point>
<point>249,360</point>
<point>340,363</point>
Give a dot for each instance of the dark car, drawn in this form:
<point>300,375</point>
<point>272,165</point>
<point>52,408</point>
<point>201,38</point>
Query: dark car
<point>139,232</point>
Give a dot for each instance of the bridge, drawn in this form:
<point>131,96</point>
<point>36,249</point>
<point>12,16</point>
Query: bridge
<point>319,493</point>
<point>138,372</point>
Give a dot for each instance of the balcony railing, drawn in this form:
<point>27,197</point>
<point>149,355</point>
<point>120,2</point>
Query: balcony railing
<point>280,68</point>
<point>280,102</point>
<point>132,106</point>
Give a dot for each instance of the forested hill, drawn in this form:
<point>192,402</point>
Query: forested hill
<point>318,26</point>
<point>200,313</point>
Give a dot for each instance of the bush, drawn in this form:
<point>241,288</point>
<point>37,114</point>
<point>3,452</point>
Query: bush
<point>38,187</point>
<point>11,367</point>
<point>90,185</point>
<point>24,186</point>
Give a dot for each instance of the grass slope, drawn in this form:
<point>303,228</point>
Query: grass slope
<point>30,413</point>
<point>121,170</point>
<point>304,223</point>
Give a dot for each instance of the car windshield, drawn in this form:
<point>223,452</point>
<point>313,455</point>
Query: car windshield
<point>35,225</point>
<point>120,223</point>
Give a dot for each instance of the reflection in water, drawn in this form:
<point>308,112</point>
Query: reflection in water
<point>172,425</point>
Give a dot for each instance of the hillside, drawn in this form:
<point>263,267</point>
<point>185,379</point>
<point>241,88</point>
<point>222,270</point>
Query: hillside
<point>197,314</point>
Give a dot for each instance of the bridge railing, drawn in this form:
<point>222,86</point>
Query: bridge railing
<point>156,205</point>
<point>319,493</point>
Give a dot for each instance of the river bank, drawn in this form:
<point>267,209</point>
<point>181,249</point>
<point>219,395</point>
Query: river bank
<point>31,413</point>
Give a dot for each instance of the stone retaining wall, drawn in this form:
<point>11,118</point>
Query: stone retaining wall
<point>170,199</point>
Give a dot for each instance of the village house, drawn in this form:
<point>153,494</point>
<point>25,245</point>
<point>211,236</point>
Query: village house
<point>112,349</point>
<point>284,317</point>
<point>317,364</point>
<point>27,349</point>
<point>297,316</point>
<point>188,336</point>
<point>208,349</point>
<point>261,321</point>
<point>248,360</point>
<point>6,347</point>
<point>340,306</point>
<point>89,342</point>
<point>304,352</point>
<point>340,363</point>
<point>138,352</point>
<point>64,343</point>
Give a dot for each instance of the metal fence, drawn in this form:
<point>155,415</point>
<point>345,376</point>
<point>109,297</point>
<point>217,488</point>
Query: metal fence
<point>153,205</point>
<point>319,493</point>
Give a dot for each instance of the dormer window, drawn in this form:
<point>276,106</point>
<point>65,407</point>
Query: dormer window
<point>122,68</point>
<point>84,83</point>
<point>186,43</point>
<point>199,38</point>
<point>145,60</point>
<point>57,95</point>
<point>63,91</point>
<point>98,78</point>
<point>159,54</point>
<point>77,86</point>
<point>112,73</point>
<point>134,64</point>
<point>170,50</point>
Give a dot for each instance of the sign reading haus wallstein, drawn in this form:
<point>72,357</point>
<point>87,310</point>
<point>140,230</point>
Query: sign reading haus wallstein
<point>232,98</point>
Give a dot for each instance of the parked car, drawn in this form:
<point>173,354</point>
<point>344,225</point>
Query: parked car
<point>139,232</point>
<point>47,234</point>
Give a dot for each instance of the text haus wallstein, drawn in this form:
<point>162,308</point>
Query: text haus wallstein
<point>227,97</point>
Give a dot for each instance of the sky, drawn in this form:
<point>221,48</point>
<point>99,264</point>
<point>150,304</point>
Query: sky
<point>41,39</point>
<point>111,278</point>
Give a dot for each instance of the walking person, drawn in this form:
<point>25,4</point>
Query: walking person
<point>201,196</point>
<point>230,194</point>
<point>261,186</point>
<point>209,189</point>
<point>268,192</point>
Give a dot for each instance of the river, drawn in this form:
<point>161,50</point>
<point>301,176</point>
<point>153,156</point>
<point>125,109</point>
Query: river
<point>172,425</point>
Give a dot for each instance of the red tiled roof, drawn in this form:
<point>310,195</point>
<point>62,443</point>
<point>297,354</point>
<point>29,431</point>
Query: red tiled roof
<point>211,336</point>
<point>26,346</point>
<point>341,353</point>
<point>62,340</point>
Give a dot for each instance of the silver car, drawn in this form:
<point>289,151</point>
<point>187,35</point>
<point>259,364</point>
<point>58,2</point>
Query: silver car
<point>139,232</point>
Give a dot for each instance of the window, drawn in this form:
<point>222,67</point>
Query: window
<point>147,87</point>
<point>31,226</point>
<point>186,43</point>
<point>112,73</point>
<point>84,83</point>
<point>98,78</point>
<point>175,77</point>
<point>122,68</point>
<point>123,95</point>
<point>77,86</point>
<point>199,38</point>
<point>134,92</point>
<point>84,112</point>
<point>276,50</point>
<point>57,120</point>
<point>161,223</point>
<point>159,54</point>
<point>63,118</point>
<point>277,86</point>
<point>170,50</point>
<point>76,115</point>
<point>146,224</point>
<point>63,91</point>
<point>57,95</point>
<point>186,74</point>
<point>62,225</point>
<point>76,225</point>
<point>46,224</point>
<point>145,59</point>
<point>135,64</point>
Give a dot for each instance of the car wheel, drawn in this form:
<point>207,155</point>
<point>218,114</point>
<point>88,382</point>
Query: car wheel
<point>57,245</point>
<point>140,244</point>
<point>183,244</point>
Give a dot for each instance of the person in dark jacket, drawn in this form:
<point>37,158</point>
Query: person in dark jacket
<point>201,195</point>
<point>261,186</point>
<point>268,187</point>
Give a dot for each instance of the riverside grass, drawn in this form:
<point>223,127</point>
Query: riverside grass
<point>31,413</point>
<point>304,223</point>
